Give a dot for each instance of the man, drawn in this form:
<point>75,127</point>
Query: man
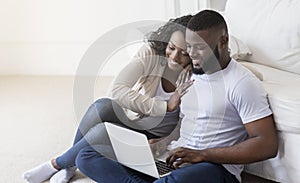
<point>231,124</point>
<point>226,119</point>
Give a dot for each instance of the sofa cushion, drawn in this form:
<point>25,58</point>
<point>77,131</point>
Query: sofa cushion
<point>283,93</point>
<point>238,49</point>
<point>271,29</point>
<point>253,70</point>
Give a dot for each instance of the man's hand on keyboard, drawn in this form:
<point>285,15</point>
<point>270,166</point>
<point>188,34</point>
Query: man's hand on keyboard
<point>182,155</point>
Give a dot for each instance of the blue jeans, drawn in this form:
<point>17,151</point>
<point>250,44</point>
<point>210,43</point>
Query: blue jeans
<point>102,169</point>
<point>91,130</point>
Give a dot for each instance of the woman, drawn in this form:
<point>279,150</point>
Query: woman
<point>145,98</point>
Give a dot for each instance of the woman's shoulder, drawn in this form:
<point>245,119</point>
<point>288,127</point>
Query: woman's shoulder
<point>148,56</point>
<point>146,50</point>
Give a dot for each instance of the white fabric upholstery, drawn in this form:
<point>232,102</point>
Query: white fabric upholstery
<point>283,90</point>
<point>270,28</point>
<point>285,167</point>
<point>238,49</point>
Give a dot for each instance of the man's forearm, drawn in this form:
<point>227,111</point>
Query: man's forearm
<point>252,150</point>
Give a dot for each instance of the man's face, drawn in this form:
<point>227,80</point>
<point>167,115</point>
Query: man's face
<point>202,47</point>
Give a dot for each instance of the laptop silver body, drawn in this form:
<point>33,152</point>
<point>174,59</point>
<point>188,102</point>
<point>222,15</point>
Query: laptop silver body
<point>132,150</point>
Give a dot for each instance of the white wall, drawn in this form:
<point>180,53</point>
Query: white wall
<point>193,6</point>
<point>218,4</point>
<point>49,37</point>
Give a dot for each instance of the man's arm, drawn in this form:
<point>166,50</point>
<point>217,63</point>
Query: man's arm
<point>261,145</point>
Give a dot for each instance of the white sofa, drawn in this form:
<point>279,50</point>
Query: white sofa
<point>271,30</point>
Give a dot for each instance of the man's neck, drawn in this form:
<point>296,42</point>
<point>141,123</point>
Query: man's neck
<point>224,61</point>
<point>220,65</point>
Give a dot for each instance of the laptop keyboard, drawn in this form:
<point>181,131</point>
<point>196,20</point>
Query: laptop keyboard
<point>163,168</point>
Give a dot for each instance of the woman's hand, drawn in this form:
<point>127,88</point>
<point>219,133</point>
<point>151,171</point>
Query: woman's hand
<point>184,76</point>
<point>183,83</point>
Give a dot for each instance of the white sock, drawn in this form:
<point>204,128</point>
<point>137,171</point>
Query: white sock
<point>40,173</point>
<point>63,175</point>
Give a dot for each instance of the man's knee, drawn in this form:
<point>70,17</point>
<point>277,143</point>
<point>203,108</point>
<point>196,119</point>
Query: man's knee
<point>84,159</point>
<point>200,172</point>
<point>96,166</point>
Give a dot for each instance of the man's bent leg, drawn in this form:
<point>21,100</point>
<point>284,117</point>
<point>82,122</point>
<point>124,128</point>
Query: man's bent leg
<point>200,172</point>
<point>102,169</point>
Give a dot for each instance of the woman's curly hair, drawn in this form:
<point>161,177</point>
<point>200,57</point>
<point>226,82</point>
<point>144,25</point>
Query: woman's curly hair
<point>160,38</point>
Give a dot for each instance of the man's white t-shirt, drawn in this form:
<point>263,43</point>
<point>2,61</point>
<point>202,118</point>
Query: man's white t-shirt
<point>216,108</point>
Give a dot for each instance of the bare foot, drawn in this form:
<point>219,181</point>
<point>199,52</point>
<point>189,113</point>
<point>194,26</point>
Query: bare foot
<point>53,162</point>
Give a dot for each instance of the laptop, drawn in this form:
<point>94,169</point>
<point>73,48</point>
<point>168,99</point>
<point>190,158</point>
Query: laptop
<point>132,150</point>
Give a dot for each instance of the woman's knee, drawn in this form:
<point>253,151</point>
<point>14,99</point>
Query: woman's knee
<point>109,110</point>
<point>105,107</point>
<point>104,101</point>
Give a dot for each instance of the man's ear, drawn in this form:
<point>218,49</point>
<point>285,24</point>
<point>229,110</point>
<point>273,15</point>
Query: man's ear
<point>224,41</point>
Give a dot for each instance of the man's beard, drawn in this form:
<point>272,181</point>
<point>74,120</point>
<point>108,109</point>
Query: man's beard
<point>209,63</point>
<point>197,71</point>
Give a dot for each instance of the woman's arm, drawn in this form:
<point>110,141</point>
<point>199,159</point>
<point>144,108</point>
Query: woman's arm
<point>140,67</point>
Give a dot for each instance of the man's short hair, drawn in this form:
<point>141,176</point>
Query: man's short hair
<point>207,19</point>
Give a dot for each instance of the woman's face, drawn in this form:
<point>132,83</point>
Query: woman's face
<point>176,53</point>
